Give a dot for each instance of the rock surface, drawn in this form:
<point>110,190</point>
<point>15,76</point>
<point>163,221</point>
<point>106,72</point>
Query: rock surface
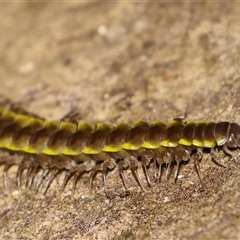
<point>122,62</point>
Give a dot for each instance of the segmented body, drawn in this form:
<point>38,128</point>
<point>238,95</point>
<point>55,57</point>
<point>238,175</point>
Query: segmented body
<point>79,147</point>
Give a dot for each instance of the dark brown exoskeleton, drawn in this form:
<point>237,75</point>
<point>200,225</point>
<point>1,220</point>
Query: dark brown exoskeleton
<point>77,147</point>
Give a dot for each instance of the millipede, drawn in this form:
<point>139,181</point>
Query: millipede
<point>77,147</point>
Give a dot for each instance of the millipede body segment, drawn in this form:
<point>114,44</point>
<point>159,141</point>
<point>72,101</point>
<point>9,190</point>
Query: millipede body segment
<point>78,147</point>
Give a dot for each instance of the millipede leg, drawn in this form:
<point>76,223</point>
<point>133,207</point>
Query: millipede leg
<point>159,173</point>
<point>230,153</point>
<point>32,175</point>
<point>109,164</point>
<point>5,177</point>
<point>181,155</point>
<point>42,177</point>
<point>145,163</point>
<point>69,173</point>
<point>168,158</point>
<point>214,158</point>
<point>197,157</point>
<point>168,169</point>
<point>159,159</point>
<point>93,172</point>
<point>29,174</point>
<point>72,116</point>
<point>134,165</point>
<point>22,165</point>
<point>51,177</point>
<point>121,166</point>
<point>29,171</point>
<point>177,171</point>
<point>75,179</point>
<point>8,161</point>
<point>155,168</point>
<point>78,171</point>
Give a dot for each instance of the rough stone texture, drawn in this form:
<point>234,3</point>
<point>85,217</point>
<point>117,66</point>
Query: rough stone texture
<point>122,62</point>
